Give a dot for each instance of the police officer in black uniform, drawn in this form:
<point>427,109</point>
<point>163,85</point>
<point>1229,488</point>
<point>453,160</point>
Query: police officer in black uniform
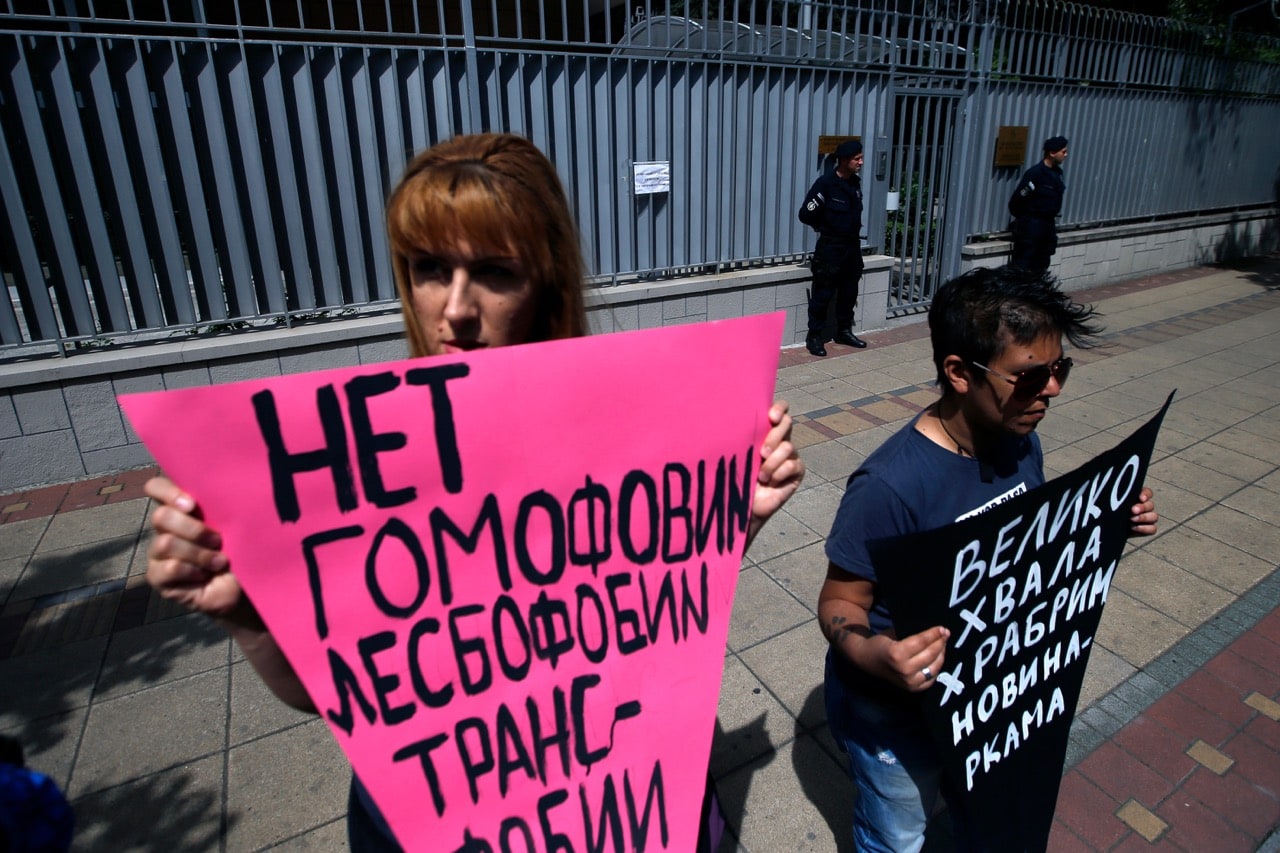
<point>833,208</point>
<point>1035,203</point>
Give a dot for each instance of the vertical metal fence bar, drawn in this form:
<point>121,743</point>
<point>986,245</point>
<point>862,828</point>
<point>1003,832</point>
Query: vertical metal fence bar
<point>511,81</point>
<point>1072,120</point>
<point>790,157</point>
<point>677,154</point>
<point>51,213</point>
<point>97,260</point>
<point>443,103</point>
<point>590,190</point>
<point>589,174</point>
<point>768,168</point>
<point>299,277</point>
<point>378,281</point>
<point>932,156</point>
<point>370,191</point>
<point>637,210</point>
<point>315,148</point>
<point>758,78</point>
<point>471,116</point>
<point>33,295</point>
<point>943,147</point>
<point>135,255</point>
<point>663,128</point>
<point>950,200</point>
<point>539,109</point>
<point>411,74</point>
<point>622,212</point>
<point>971,186</point>
<point>696,142</point>
<point>1039,52</point>
<point>325,69</point>
<point>259,230</point>
<point>236,267</point>
<point>607,242</point>
<point>895,132</point>
<point>202,259</point>
<point>170,267</point>
<point>385,164</point>
<point>922,198</point>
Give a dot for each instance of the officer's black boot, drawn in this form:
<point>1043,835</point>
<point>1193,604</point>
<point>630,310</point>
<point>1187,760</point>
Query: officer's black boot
<point>849,339</point>
<point>814,344</point>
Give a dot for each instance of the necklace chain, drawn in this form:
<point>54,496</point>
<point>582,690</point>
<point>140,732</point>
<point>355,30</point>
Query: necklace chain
<point>960,448</point>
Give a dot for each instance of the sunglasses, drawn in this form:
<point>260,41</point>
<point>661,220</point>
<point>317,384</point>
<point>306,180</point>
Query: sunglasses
<point>1029,383</point>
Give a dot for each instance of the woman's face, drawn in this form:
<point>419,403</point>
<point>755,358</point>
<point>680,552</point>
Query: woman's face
<point>464,300</point>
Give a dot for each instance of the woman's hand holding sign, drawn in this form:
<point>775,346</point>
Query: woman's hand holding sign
<point>781,470</point>
<point>185,563</point>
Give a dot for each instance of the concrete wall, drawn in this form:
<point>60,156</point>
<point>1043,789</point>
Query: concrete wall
<point>59,420</point>
<point>1090,257</point>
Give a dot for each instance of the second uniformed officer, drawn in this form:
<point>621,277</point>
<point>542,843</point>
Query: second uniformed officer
<point>833,208</point>
<point>1035,204</point>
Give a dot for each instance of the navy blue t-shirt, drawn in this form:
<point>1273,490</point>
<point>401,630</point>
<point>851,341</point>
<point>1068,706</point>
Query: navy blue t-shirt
<point>910,485</point>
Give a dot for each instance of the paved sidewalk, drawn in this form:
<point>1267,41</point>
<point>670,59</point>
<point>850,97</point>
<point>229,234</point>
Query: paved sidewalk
<point>164,739</point>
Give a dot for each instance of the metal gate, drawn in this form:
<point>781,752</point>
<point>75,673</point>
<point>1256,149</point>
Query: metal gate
<point>919,184</point>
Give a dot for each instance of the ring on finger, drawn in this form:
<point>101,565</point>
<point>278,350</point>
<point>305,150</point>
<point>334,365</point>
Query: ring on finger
<point>927,673</point>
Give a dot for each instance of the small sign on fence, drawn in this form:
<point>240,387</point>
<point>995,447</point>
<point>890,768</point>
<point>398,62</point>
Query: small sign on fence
<point>652,177</point>
<point>1011,146</point>
<point>828,144</point>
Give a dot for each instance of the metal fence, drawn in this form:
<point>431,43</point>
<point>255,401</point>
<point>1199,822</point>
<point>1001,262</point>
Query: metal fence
<point>184,166</point>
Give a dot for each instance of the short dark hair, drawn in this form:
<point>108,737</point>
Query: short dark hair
<point>848,148</point>
<point>977,314</point>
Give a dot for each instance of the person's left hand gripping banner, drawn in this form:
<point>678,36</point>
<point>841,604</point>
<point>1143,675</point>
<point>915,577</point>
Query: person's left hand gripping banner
<point>504,578</point>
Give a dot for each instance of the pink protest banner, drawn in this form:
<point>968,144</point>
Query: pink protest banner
<point>505,578</point>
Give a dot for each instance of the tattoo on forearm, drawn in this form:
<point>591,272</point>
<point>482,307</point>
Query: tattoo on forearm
<point>839,630</point>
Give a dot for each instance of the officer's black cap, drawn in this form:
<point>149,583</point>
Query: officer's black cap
<point>1055,143</point>
<point>848,148</point>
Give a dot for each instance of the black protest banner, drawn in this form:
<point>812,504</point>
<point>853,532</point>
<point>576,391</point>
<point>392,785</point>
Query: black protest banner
<point>1021,588</point>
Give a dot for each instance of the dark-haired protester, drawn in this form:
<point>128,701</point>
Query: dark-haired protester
<point>486,254</point>
<point>997,338</point>
<point>833,208</point>
<point>1035,204</point>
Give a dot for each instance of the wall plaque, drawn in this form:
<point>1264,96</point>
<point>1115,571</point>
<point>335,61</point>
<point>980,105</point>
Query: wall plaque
<point>1011,146</point>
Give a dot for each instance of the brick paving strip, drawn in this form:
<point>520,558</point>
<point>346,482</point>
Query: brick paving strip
<point>1185,754</point>
<point>82,494</point>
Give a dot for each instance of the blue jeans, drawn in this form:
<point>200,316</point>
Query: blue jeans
<point>892,761</point>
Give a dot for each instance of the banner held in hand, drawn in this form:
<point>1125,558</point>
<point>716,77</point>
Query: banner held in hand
<point>504,578</point>
<point>1021,587</point>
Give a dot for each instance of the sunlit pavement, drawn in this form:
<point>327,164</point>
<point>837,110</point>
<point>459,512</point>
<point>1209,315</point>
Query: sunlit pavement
<point>163,738</point>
